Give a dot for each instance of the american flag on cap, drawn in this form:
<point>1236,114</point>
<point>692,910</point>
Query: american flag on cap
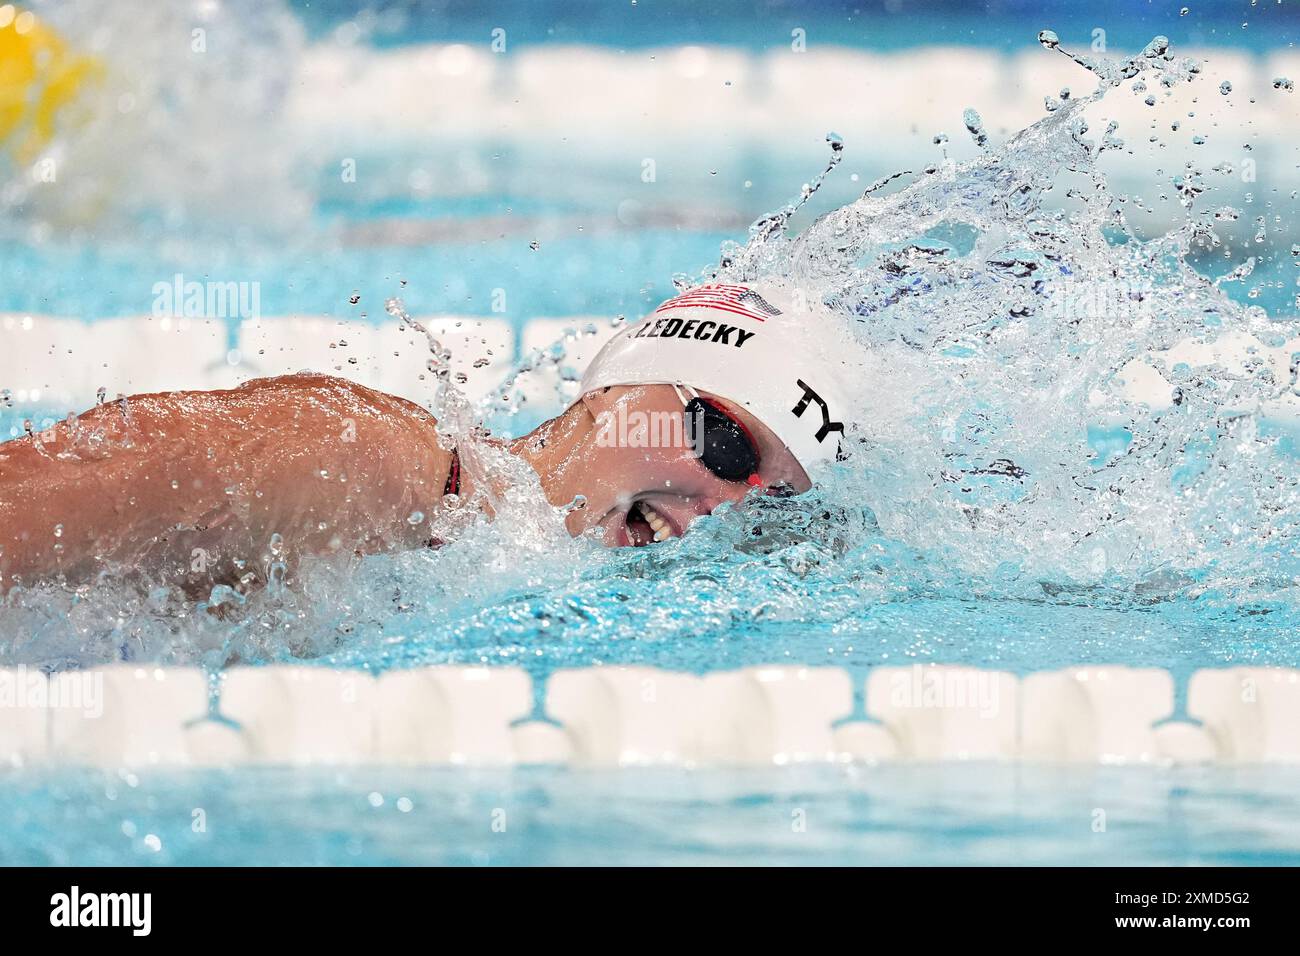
<point>738,299</point>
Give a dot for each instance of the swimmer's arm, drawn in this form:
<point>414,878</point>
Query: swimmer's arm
<point>194,487</point>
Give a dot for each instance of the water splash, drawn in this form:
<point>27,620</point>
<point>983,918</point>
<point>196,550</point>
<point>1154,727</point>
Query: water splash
<point>1010,331</point>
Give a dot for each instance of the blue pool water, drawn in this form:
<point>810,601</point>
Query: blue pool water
<point>884,816</point>
<point>893,565</point>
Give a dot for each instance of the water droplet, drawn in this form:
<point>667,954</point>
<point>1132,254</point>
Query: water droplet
<point>975,126</point>
<point>1282,83</point>
<point>534,245</point>
<point>354,298</point>
<point>415,518</point>
<point>1225,87</point>
<point>58,531</point>
<point>1157,47</point>
<point>1049,39</point>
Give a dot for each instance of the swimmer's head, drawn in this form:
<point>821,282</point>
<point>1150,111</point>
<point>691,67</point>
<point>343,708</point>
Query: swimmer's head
<point>720,391</point>
<point>769,350</point>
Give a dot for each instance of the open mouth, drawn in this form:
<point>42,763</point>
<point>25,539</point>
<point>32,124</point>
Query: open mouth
<point>646,526</point>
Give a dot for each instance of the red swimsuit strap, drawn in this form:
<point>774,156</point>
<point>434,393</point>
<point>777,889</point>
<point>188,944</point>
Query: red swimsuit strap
<point>452,487</point>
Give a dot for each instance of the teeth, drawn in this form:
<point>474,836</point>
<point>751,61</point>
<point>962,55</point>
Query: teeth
<point>658,525</point>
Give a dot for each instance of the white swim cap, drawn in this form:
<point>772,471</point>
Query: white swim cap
<point>785,359</point>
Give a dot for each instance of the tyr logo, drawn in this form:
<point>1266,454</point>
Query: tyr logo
<point>809,395</point>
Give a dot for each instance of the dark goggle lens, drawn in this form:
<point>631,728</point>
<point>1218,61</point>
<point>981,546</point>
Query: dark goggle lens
<point>724,447</point>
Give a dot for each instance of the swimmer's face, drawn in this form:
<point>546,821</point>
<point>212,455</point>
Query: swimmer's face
<point>642,477</point>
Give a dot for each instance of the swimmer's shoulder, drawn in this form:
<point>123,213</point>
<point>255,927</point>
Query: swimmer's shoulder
<point>333,394</point>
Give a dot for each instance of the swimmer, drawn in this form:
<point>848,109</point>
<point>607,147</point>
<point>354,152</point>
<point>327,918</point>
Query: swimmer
<point>197,488</point>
